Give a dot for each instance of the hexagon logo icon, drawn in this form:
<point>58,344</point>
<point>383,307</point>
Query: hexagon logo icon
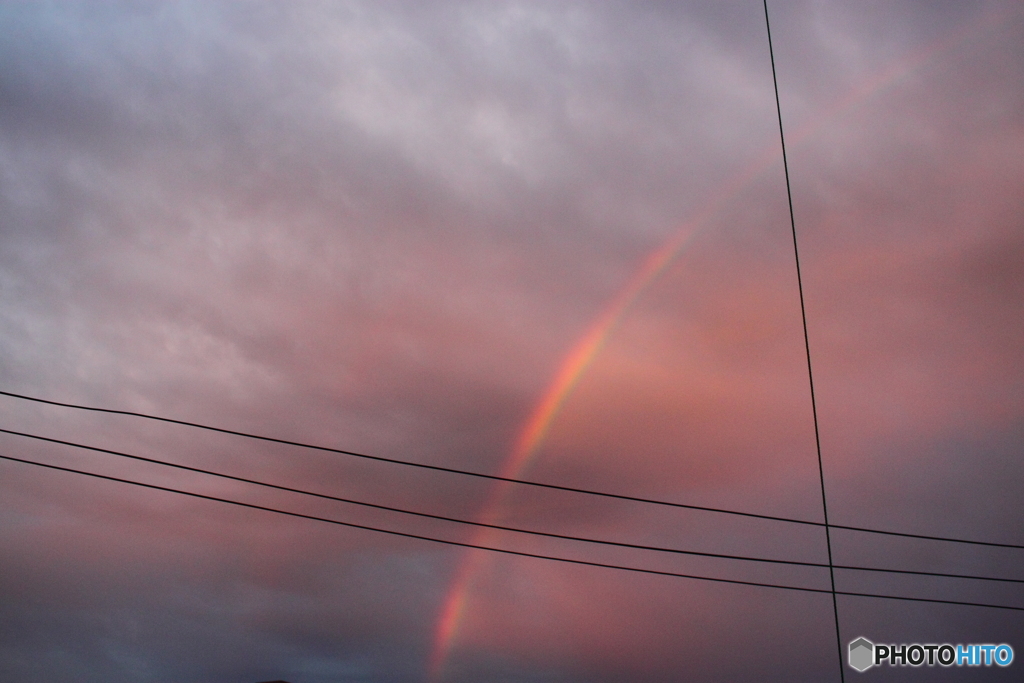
<point>862,654</point>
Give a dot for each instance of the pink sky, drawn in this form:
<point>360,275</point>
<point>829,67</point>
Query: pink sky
<point>383,227</point>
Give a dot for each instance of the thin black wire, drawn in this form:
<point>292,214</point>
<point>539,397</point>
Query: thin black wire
<point>505,551</point>
<point>408,463</point>
<point>807,346</point>
<point>404,511</point>
<point>499,527</point>
<point>493,477</point>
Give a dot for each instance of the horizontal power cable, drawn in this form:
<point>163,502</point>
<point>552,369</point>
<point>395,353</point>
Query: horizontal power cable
<point>406,463</point>
<point>510,480</point>
<point>498,527</point>
<point>505,551</point>
<point>403,511</point>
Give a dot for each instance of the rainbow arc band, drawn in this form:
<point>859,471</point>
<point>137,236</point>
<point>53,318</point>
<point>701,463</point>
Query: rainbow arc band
<point>583,353</point>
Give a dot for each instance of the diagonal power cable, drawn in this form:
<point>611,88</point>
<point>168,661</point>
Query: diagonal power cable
<point>504,551</point>
<point>511,480</point>
<point>498,527</point>
<point>807,345</point>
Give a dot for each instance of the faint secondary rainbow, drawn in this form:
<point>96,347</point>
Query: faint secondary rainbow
<point>585,350</point>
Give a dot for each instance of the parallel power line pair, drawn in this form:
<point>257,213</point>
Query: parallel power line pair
<point>512,529</point>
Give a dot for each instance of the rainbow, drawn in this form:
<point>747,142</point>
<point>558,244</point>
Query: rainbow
<point>580,357</point>
<point>537,425</point>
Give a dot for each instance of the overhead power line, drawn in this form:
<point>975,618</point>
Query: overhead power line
<point>807,344</point>
<point>497,527</point>
<point>511,480</point>
<point>505,551</point>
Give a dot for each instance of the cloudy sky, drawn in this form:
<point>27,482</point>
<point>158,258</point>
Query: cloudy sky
<point>394,227</point>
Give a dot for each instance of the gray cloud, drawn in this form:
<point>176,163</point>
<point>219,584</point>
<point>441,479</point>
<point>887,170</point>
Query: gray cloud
<point>382,226</point>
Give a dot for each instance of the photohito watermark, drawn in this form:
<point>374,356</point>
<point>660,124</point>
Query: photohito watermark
<point>864,654</point>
